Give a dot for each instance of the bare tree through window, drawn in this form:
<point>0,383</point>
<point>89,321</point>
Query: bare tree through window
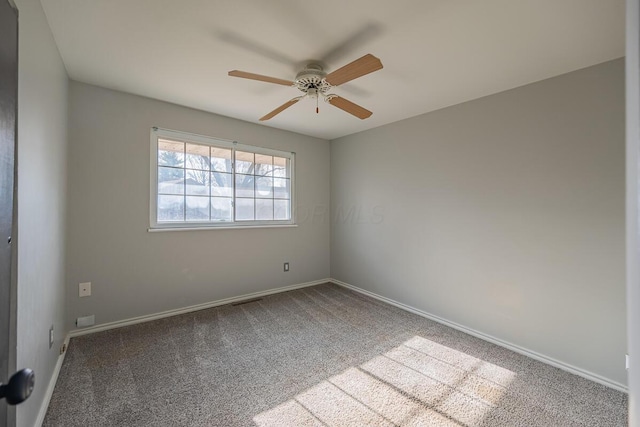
<point>207,183</point>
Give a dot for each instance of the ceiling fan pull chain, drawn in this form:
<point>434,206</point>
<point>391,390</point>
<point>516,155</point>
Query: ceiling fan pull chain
<point>317,109</point>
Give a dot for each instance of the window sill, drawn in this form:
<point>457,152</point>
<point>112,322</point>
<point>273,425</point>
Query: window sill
<point>230,227</point>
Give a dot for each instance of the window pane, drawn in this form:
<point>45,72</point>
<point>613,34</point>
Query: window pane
<point>170,181</point>
<point>281,188</point>
<point>264,209</point>
<point>221,184</point>
<point>244,162</point>
<point>244,209</point>
<point>170,208</point>
<point>281,209</point>
<point>170,153</point>
<point>198,157</point>
<point>264,187</point>
<point>281,167</point>
<point>221,209</point>
<point>197,208</point>
<point>244,185</point>
<point>220,159</point>
<point>264,165</point>
<point>197,182</point>
<point>206,182</point>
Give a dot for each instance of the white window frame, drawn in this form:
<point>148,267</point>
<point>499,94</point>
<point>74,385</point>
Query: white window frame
<point>159,133</point>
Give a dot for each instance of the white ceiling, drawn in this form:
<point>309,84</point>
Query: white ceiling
<point>435,53</point>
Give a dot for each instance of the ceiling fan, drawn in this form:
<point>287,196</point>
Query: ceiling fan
<point>315,84</point>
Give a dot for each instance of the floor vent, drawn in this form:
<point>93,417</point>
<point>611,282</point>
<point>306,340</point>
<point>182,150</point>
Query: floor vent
<point>247,301</point>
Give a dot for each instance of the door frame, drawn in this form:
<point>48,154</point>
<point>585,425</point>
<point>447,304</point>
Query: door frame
<point>632,73</point>
<point>13,281</point>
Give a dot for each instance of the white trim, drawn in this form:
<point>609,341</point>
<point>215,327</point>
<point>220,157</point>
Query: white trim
<point>153,179</point>
<point>141,319</point>
<point>197,307</point>
<point>632,111</point>
<point>186,137</point>
<point>222,224</point>
<point>521,350</point>
<point>147,318</point>
<point>191,137</point>
<point>230,227</point>
<point>44,406</point>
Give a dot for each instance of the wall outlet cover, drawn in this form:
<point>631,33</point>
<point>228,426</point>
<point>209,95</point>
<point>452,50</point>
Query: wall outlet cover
<point>84,289</point>
<point>85,321</point>
<point>51,336</point>
<point>626,361</point>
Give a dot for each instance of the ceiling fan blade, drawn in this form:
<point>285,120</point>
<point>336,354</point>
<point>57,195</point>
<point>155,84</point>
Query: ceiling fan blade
<point>238,40</point>
<point>280,109</point>
<point>358,68</point>
<point>245,75</point>
<point>350,107</point>
<point>357,39</point>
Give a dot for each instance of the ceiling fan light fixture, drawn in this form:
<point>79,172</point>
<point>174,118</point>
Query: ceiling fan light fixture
<point>312,93</point>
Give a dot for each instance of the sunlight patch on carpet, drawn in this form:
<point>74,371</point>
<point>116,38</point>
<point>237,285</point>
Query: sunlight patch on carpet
<point>417,383</point>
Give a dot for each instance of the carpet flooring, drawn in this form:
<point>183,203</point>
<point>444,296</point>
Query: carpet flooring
<point>318,356</point>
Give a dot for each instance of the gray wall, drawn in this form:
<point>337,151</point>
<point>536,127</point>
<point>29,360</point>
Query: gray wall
<point>42,151</point>
<point>504,214</point>
<point>135,272</point>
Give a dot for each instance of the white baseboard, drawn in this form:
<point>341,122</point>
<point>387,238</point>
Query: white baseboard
<point>526,352</point>
<point>52,385</point>
<point>197,307</point>
<point>118,324</point>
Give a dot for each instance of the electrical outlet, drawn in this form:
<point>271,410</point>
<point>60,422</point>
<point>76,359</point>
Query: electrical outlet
<point>84,289</point>
<point>286,266</point>
<point>82,322</point>
<point>51,336</point>
<point>626,361</point>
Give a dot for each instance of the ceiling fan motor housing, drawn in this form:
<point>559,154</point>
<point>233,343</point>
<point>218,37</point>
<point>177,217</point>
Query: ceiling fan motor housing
<point>311,81</point>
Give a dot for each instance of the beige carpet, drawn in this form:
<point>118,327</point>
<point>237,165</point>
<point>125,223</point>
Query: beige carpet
<point>319,356</point>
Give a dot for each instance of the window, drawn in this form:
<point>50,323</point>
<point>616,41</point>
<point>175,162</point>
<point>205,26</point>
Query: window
<point>197,181</point>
